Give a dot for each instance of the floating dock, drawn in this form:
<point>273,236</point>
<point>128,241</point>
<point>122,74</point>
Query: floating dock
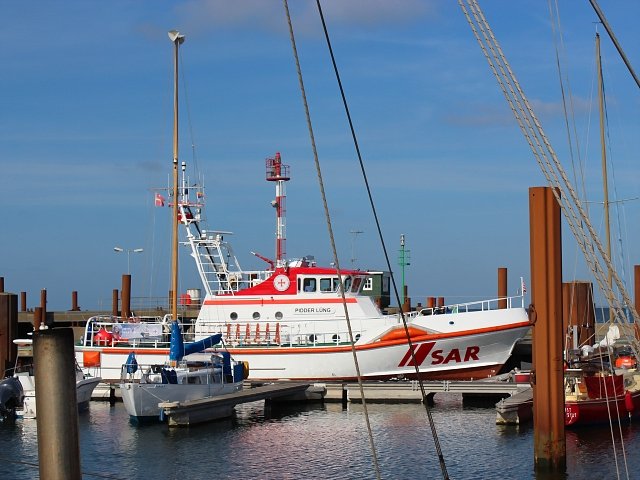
<point>515,410</point>
<point>221,406</point>
<point>410,392</point>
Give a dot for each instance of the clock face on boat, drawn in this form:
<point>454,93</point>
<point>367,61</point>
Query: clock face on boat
<point>281,283</point>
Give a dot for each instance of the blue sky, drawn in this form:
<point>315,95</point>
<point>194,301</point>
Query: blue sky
<point>86,118</point>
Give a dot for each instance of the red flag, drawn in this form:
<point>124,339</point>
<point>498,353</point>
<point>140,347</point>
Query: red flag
<point>159,202</point>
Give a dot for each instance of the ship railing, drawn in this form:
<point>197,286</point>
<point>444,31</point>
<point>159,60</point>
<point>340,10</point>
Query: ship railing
<point>157,373</point>
<point>273,334</point>
<point>147,332</point>
<point>515,301</point>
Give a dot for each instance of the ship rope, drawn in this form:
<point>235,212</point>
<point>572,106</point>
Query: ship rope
<point>554,15</point>
<point>425,401</point>
<point>575,214</point>
<point>332,239</point>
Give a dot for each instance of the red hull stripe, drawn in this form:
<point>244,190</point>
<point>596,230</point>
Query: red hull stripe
<point>275,301</point>
<point>421,353</point>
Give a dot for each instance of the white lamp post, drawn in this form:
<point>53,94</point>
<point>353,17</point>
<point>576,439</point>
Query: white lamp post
<point>128,250</point>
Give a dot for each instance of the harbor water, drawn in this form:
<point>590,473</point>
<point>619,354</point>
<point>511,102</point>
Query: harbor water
<point>321,441</point>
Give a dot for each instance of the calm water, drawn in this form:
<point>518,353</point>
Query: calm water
<point>323,442</point>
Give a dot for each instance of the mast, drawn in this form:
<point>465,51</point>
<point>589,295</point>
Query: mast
<point>603,150</point>
<point>177,40</point>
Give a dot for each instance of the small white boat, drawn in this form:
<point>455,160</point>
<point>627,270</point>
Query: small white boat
<point>143,387</point>
<point>20,388</point>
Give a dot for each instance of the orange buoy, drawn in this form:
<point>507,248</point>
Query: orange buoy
<point>625,361</point>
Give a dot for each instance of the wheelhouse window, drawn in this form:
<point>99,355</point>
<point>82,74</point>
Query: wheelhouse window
<point>328,284</point>
<point>357,283</point>
<point>309,284</point>
<point>368,284</point>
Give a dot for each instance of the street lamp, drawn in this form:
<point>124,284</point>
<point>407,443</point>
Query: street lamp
<point>128,250</point>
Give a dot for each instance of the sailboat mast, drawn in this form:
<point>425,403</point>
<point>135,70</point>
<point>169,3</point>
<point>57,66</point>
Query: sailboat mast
<point>603,150</point>
<point>177,39</point>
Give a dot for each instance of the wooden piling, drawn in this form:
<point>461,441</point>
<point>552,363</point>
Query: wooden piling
<point>37,318</point>
<point>43,305</point>
<point>431,302</point>
<point>502,287</point>
<point>578,311</point>
<point>74,301</point>
<point>114,303</point>
<point>8,330</point>
<point>406,306</point>
<point>546,313</point>
<point>23,301</point>
<point>1,284</point>
<point>126,296</point>
<point>57,417</point>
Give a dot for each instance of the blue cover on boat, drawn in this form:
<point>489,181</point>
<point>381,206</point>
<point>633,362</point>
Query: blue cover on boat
<point>132,363</point>
<point>203,344</point>
<point>178,349</point>
<point>226,363</point>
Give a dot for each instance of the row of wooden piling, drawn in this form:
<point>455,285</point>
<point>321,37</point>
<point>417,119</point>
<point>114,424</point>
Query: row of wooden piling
<point>41,311</point>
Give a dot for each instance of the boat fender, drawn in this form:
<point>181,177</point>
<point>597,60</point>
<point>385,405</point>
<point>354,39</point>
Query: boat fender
<point>245,370</point>
<point>628,401</point>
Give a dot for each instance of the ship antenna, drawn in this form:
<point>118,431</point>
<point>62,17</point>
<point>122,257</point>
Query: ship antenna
<point>279,173</point>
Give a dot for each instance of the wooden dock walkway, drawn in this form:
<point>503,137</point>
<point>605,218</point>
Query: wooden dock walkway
<point>204,410</point>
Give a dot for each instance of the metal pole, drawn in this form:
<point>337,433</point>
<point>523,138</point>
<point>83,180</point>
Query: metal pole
<point>57,409</point>
<point>177,39</point>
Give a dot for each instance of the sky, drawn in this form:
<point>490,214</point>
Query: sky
<point>86,136</point>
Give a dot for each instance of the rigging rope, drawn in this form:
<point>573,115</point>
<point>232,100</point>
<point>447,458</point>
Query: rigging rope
<point>425,401</point>
<point>570,204</point>
<point>603,19</point>
<point>609,349</point>
<point>333,245</point>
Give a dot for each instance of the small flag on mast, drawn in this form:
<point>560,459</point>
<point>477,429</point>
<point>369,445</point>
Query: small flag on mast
<point>159,201</point>
<point>523,287</point>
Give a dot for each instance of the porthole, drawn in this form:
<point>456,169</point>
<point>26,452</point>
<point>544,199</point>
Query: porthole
<point>233,316</point>
<point>256,316</point>
<point>336,338</point>
<point>357,337</point>
<point>278,315</point>
<point>312,338</point>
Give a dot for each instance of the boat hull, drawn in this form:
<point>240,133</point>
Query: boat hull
<point>141,399</point>
<point>84,389</point>
<point>462,356</point>
<point>602,411</point>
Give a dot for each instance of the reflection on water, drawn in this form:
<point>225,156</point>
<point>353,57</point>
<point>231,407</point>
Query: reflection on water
<point>319,441</point>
